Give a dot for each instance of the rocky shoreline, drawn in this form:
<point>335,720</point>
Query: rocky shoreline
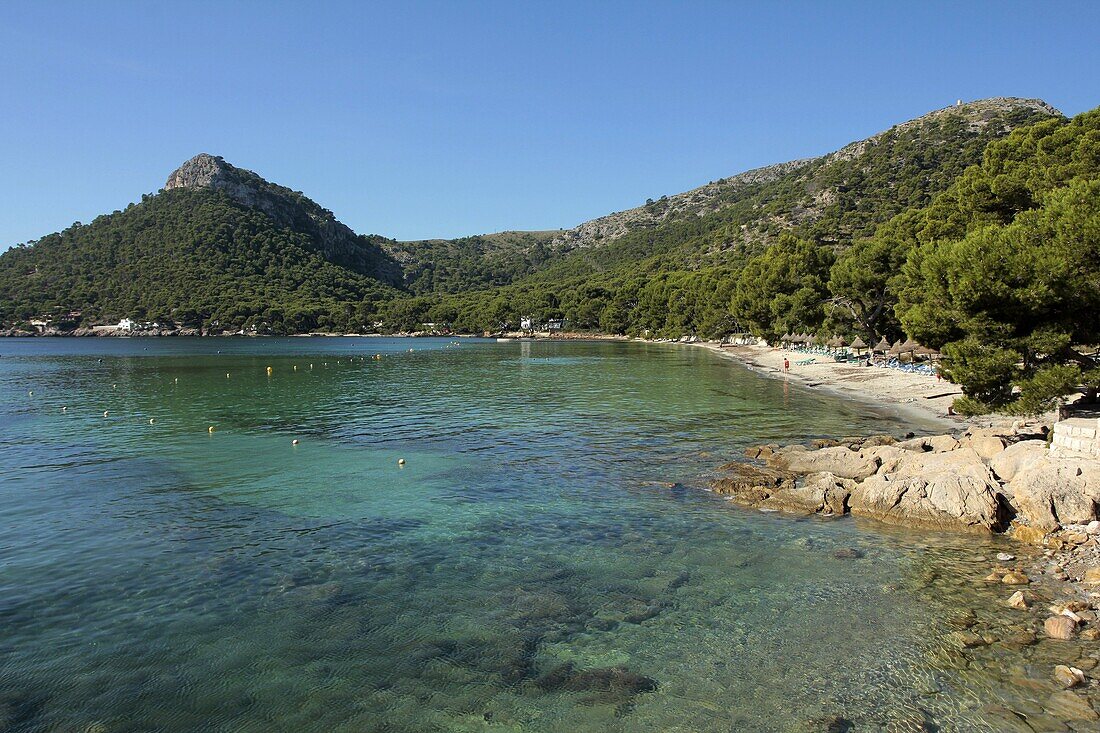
<point>100,332</point>
<point>995,479</point>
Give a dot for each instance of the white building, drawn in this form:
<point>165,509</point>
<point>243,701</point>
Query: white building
<point>126,325</point>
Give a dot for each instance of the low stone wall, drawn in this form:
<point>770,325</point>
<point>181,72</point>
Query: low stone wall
<point>1077,435</point>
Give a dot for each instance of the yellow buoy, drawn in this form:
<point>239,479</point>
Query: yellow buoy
<point>400,461</point>
<point>210,429</point>
<point>269,370</point>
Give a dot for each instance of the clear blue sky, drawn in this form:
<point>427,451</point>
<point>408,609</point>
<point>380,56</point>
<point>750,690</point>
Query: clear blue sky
<point>444,119</point>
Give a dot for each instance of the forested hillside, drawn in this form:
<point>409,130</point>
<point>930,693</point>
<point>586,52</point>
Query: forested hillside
<point>223,248</point>
<point>678,272</point>
<point>192,256</point>
<point>470,263</point>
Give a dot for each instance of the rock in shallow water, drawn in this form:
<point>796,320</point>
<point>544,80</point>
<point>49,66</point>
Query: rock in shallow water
<point>1007,721</point>
<point>607,684</point>
<point>1060,627</point>
<point>828,724</point>
<point>1070,706</point>
<point>1066,677</point>
<point>839,461</point>
<point>962,496</point>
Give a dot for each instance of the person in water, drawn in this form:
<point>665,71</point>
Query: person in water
<point>786,364</point>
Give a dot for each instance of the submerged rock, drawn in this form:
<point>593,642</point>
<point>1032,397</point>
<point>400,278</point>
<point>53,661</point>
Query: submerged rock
<point>750,484</point>
<point>1020,638</point>
<point>968,639</point>
<point>1070,706</point>
<point>608,684</point>
<point>1008,721</point>
<point>827,724</point>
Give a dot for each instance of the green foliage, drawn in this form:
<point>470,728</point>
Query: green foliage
<point>970,407</point>
<point>1046,385</point>
<point>867,276</point>
<point>1004,268</point>
<point>484,261</point>
<point>680,275</point>
<point>198,257</point>
<point>984,370</point>
<point>192,256</point>
<point>784,288</point>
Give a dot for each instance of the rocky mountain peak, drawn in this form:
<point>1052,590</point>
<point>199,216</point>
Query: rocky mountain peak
<point>287,208</point>
<point>202,171</point>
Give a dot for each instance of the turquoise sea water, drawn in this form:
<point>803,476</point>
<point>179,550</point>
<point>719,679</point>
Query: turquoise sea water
<point>545,560</point>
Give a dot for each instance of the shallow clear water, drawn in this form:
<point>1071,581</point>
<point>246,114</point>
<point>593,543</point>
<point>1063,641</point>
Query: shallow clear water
<point>545,560</point>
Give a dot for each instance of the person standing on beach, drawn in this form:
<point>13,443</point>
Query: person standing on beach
<point>786,364</point>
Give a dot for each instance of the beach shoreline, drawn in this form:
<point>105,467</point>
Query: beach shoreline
<point>912,395</point>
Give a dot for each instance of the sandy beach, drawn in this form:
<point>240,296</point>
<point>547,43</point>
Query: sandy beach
<point>924,395</point>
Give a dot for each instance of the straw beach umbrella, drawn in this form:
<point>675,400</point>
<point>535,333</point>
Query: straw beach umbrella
<point>883,345</point>
<point>895,350</point>
<point>925,351</point>
<point>858,344</point>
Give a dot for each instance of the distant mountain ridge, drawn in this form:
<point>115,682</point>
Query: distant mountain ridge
<point>699,201</point>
